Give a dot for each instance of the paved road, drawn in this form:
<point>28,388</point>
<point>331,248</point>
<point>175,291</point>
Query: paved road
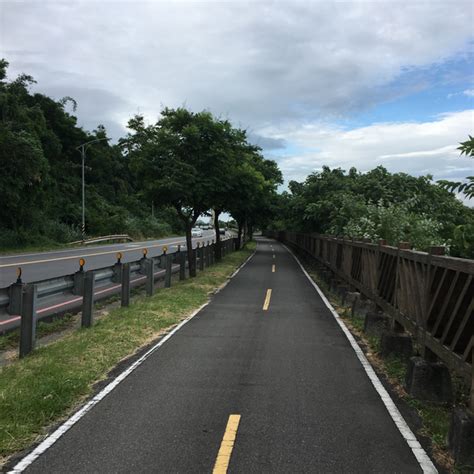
<point>304,400</point>
<point>44,265</point>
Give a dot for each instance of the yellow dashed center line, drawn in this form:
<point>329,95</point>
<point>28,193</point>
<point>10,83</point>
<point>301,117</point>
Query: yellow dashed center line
<point>266,304</point>
<point>273,268</point>
<point>227,445</point>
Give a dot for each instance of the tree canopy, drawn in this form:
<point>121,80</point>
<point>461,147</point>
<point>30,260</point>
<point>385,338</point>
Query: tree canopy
<point>194,163</point>
<point>378,204</point>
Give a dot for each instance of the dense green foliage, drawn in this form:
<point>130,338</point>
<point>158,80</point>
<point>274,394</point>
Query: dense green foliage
<point>195,162</point>
<point>379,205</point>
<point>162,177</point>
<point>466,187</point>
<point>40,183</point>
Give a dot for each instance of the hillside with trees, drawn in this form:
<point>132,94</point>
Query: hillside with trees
<point>155,181</point>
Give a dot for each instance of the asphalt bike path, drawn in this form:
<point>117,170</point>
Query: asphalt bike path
<point>256,382</point>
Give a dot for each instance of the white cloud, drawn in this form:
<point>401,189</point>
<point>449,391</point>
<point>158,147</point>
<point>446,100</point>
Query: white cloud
<point>252,61</point>
<point>284,70</point>
<point>469,92</point>
<point>415,148</point>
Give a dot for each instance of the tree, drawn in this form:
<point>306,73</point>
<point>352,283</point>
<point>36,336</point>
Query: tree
<point>466,148</point>
<point>378,204</point>
<point>179,163</point>
<point>40,181</point>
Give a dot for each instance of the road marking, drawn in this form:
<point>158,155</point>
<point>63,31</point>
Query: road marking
<point>97,254</point>
<point>70,422</point>
<point>273,268</point>
<point>420,454</point>
<point>227,445</point>
<point>266,304</point>
<point>19,264</point>
<point>273,255</point>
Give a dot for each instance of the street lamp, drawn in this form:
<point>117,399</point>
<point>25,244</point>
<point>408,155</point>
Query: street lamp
<point>82,148</point>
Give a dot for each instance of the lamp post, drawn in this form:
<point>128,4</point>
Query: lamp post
<point>82,148</point>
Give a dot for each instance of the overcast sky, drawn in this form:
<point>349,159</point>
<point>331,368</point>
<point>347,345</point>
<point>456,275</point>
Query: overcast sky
<point>315,83</point>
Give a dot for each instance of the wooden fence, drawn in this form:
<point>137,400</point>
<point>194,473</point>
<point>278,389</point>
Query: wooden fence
<point>430,295</point>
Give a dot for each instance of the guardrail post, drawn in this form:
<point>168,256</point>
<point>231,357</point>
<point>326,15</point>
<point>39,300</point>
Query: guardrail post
<point>88,300</point>
<point>168,269</point>
<point>117,269</point>
<point>15,295</point>
<point>195,259</point>
<point>143,264</point>
<point>150,277</point>
<point>163,258</point>
<point>213,255</point>
<point>78,288</point>
<point>182,263</point>
<point>208,255</point>
<point>125,294</point>
<point>201,257</point>
<point>28,320</point>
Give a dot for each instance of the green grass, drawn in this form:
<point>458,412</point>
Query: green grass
<point>48,384</point>
<point>12,339</point>
<point>436,419</point>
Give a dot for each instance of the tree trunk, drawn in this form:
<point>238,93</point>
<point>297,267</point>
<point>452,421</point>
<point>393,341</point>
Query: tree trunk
<point>217,249</point>
<point>190,251</point>
<point>239,235</point>
<point>250,231</point>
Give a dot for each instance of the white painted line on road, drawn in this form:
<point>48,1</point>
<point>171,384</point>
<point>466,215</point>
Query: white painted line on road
<point>97,254</point>
<point>420,454</point>
<point>72,257</point>
<point>69,423</point>
<point>273,268</point>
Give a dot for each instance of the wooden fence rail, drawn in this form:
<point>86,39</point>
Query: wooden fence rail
<point>430,295</point>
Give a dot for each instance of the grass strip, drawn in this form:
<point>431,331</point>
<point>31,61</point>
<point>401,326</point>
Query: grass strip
<point>45,386</point>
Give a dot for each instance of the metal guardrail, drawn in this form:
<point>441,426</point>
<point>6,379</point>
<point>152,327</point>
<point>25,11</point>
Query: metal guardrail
<point>105,238</point>
<point>430,295</point>
<point>25,299</point>
<point>72,283</point>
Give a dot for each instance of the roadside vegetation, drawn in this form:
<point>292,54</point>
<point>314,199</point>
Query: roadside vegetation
<point>156,181</point>
<point>381,205</point>
<point>49,384</point>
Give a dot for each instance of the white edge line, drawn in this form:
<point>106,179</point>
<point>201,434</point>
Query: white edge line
<point>70,422</point>
<point>420,454</point>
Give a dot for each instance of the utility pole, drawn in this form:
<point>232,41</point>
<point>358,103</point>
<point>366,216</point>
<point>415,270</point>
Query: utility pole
<point>82,148</point>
